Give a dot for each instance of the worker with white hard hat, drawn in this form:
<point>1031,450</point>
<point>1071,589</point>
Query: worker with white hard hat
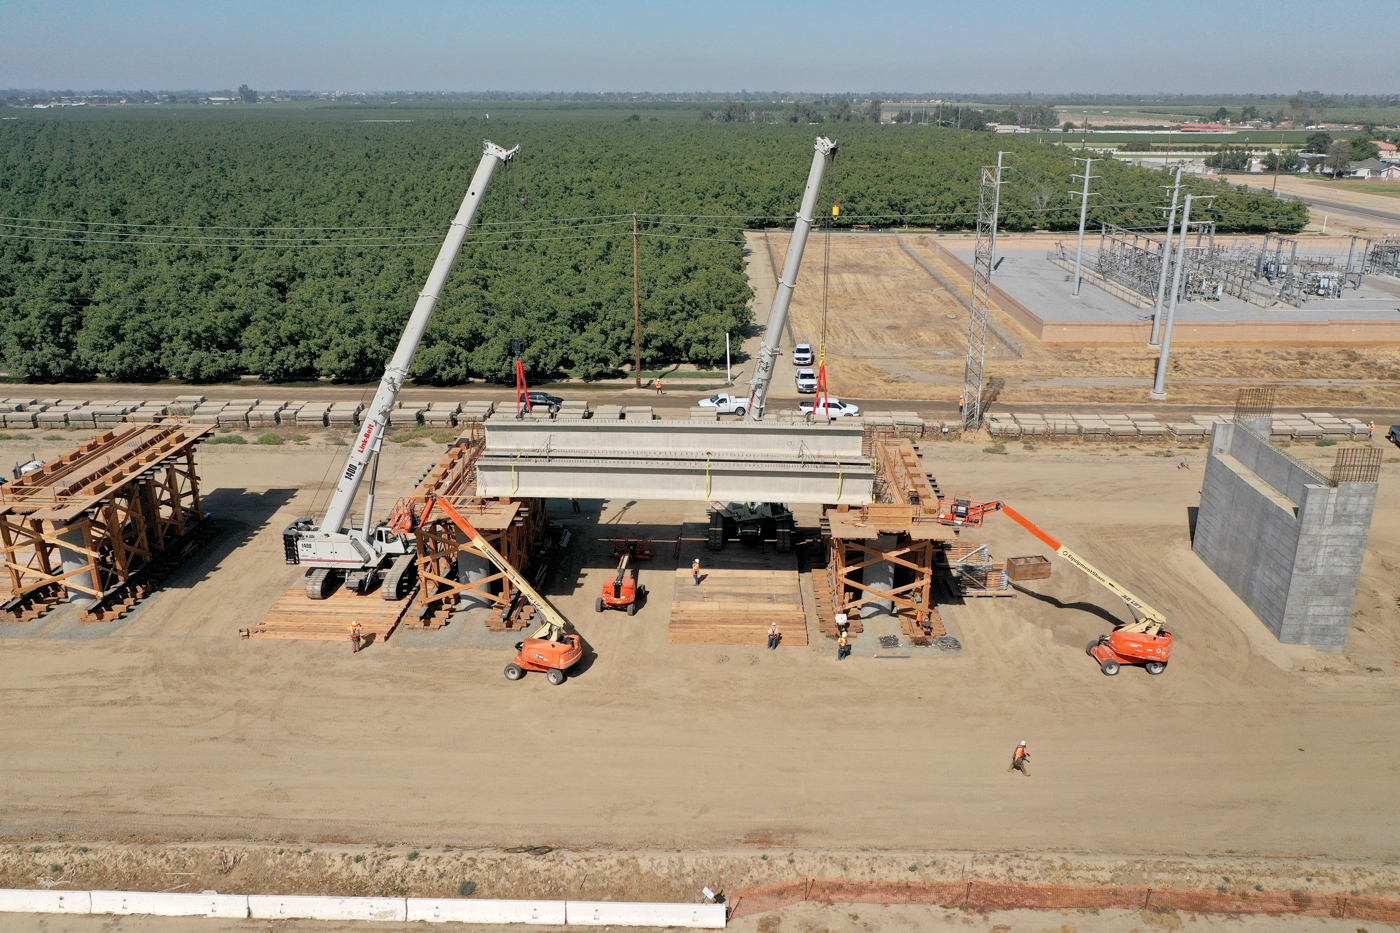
<point>1020,758</point>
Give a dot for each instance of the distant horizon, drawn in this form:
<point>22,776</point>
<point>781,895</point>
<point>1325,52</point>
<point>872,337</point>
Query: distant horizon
<point>623,95</point>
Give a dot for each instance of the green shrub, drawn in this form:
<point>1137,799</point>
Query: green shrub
<point>998,448</point>
<point>412,856</point>
<point>466,888</point>
<point>228,439</point>
<point>1327,442</point>
<point>54,437</point>
<point>272,439</point>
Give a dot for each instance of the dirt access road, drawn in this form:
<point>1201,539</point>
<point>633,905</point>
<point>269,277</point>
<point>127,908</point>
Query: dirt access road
<point>167,726</point>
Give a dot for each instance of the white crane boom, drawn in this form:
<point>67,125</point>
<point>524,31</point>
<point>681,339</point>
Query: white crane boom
<point>777,318</point>
<point>371,436</point>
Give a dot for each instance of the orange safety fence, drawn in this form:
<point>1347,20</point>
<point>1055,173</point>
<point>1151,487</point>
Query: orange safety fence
<point>1014,895</point>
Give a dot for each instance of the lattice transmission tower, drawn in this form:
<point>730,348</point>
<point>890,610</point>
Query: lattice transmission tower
<point>988,203</point>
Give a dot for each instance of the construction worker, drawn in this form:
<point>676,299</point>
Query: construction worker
<point>774,636</point>
<point>575,504</point>
<point>1019,759</point>
<point>843,647</point>
<point>1370,430</point>
<point>962,403</point>
<point>659,390</point>
<point>695,571</point>
<point>355,636</point>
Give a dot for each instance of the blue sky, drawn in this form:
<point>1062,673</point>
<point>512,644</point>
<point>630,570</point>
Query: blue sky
<point>1128,46</point>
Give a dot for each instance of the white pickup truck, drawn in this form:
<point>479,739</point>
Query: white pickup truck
<point>726,404</point>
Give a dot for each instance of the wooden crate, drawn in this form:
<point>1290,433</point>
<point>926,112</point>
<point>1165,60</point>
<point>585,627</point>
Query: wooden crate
<point>1034,567</point>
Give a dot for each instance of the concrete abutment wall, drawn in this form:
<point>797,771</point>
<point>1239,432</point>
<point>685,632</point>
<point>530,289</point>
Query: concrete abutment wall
<point>1284,538</point>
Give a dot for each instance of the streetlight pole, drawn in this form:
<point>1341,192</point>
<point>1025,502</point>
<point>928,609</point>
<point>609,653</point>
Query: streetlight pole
<point>1083,211</point>
<point>1159,385</point>
<point>1156,338</point>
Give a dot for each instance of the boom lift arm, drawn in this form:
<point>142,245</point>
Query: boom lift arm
<point>1146,620</point>
<point>555,625</point>
<point>777,317</point>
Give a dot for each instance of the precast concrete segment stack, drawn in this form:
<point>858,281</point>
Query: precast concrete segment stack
<point>676,460</point>
<point>1287,540</point>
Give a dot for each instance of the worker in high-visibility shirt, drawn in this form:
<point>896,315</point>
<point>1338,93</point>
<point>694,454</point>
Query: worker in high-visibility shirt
<point>843,647</point>
<point>355,636</point>
<point>1020,760</point>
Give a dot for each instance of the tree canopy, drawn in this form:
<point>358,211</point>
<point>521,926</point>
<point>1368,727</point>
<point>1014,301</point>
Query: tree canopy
<point>163,248</point>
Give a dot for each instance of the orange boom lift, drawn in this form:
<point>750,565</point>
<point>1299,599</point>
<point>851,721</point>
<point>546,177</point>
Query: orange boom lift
<point>621,591</point>
<point>1145,641</point>
<point>552,649</point>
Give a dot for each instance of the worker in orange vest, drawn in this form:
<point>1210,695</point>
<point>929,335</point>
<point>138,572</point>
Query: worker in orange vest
<point>355,636</point>
<point>1019,760</point>
<point>658,386</point>
<point>843,647</point>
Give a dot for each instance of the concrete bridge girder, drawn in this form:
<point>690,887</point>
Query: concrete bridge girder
<point>677,460</point>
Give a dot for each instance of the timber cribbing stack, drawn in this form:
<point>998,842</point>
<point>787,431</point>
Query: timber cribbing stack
<point>976,894</point>
<point>735,607</point>
<point>298,617</point>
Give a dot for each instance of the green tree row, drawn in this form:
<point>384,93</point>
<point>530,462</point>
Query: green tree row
<point>171,261</point>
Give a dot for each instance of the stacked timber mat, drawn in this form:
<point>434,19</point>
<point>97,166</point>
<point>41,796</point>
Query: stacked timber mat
<point>297,617</point>
<point>735,607</point>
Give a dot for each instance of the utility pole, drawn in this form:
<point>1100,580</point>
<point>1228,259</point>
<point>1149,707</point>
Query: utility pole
<point>1155,340</point>
<point>1278,161</point>
<point>636,304</point>
<point>1083,211</point>
<point>1159,385</point>
<point>983,261</point>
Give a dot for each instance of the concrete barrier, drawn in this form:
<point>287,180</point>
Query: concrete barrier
<point>170,905</point>
<point>466,910</point>
<point>308,907</point>
<point>45,902</point>
<point>607,913</point>
<point>274,907</point>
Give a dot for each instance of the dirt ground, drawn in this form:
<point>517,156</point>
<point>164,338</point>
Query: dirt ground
<point>165,728</point>
<point>892,330</point>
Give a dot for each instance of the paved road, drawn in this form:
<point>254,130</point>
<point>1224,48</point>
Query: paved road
<point>1342,207</point>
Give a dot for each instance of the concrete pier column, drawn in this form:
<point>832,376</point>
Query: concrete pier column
<point>72,537</point>
<point>470,568</point>
<point>881,576</point>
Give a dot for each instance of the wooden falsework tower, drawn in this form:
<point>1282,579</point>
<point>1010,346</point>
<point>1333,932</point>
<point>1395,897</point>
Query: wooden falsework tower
<point>97,523</point>
<point>514,527</point>
<point>901,530</point>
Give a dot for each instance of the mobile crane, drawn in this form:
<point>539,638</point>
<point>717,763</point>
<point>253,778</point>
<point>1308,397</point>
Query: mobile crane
<point>753,521</point>
<point>334,551</point>
<point>552,649</point>
<point>1144,641</point>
